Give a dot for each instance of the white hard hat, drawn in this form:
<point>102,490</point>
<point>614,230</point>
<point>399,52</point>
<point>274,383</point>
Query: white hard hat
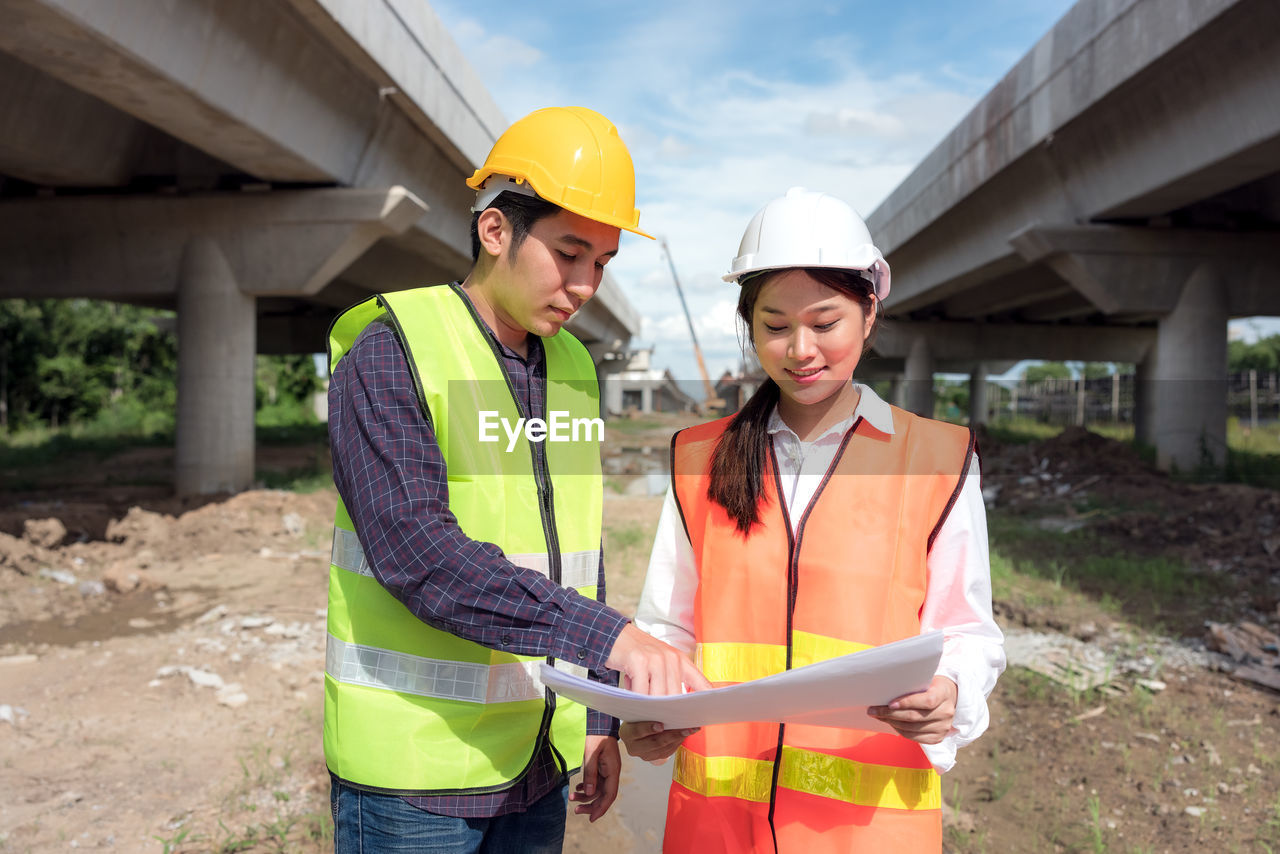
<point>809,229</point>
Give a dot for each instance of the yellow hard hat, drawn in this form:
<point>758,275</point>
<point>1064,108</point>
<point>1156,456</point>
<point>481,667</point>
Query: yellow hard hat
<point>572,157</point>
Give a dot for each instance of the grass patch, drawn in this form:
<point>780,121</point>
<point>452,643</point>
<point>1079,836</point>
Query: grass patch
<point>1254,468</point>
<point>627,537</point>
<point>39,448</point>
<point>37,457</point>
<point>304,479</point>
<point>263,811</point>
<point>1021,431</point>
<point>295,433</point>
<point>1253,455</point>
<point>1153,588</point>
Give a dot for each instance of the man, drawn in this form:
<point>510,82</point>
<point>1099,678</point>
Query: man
<point>467,541</point>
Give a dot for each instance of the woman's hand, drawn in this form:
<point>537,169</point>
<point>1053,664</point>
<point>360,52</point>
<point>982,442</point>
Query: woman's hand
<point>648,740</point>
<point>924,717</point>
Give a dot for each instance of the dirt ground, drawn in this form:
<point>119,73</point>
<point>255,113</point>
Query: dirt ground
<point>161,662</point>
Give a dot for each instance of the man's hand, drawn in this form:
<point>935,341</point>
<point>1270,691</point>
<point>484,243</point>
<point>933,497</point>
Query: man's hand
<point>652,666</point>
<point>598,789</point>
<point>924,717</point>
<point>647,740</point>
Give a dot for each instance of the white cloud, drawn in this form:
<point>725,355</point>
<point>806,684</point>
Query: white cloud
<point>724,107</point>
<point>495,52</point>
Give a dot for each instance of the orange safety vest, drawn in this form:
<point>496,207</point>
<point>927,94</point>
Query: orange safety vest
<point>852,577</point>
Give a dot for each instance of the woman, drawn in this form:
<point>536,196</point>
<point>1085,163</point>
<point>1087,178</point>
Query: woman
<point>818,521</point>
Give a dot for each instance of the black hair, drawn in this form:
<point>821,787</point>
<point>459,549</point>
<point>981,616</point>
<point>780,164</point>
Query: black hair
<point>521,211</point>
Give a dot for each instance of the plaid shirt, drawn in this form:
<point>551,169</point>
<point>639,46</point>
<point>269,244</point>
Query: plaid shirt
<point>391,475</point>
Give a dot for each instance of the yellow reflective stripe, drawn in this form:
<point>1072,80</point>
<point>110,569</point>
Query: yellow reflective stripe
<point>577,569</point>
<point>807,648</point>
<point>724,776</point>
<point>388,670</point>
<point>739,662</point>
<point>812,773</point>
<point>859,783</point>
<point>742,662</point>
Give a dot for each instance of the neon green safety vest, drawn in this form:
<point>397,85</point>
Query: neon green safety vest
<point>412,709</point>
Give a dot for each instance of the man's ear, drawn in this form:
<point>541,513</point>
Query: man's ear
<point>494,231</point>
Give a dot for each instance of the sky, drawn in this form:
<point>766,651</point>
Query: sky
<point>727,105</point>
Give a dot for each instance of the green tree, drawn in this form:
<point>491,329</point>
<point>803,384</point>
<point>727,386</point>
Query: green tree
<point>67,361</point>
<point>1046,370</point>
<point>1262,355</point>
<point>20,335</point>
<point>284,379</point>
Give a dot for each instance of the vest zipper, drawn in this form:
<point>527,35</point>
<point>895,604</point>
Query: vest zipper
<point>793,586</point>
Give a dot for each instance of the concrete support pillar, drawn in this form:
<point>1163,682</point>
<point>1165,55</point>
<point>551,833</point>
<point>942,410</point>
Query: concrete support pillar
<point>1144,401</point>
<point>217,334</point>
<point>978,395</point>
<point>646,398</point>
<point>610,386</point>
<point>919,378</point>
<point>897,393</point>
<point>1189,422</point>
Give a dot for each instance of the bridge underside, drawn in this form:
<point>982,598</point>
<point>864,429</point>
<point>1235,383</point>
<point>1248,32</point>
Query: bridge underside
<point>256,167</point>
<point>1115,198</point>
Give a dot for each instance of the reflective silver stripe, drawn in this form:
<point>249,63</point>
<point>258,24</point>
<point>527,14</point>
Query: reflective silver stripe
<point>577,569</point>
<point>348,554</point>
<point>354,664</point>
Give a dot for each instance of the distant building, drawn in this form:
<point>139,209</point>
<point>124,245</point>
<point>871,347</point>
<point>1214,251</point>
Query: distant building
<point>639,387</point>
<point>736,389</point>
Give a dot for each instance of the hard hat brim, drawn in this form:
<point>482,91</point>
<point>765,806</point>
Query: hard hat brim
<point>875,265</point>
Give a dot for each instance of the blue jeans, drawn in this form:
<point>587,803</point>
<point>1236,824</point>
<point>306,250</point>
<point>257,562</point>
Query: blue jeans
<point>365,823</point>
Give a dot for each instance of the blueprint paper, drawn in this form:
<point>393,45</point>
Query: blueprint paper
<point>835,692</point>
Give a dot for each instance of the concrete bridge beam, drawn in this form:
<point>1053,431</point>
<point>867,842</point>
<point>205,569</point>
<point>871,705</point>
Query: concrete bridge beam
<point>958,342</point>
<point>130,248</point>
<point>1141,271</point>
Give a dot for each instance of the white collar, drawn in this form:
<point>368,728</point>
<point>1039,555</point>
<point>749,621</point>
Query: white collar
<point>870,408</point>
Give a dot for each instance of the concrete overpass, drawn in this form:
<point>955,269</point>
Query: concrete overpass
<point>256,166</point>
<point>1116,197</point>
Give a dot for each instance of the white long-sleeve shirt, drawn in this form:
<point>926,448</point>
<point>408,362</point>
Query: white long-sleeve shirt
<point>957,599</point>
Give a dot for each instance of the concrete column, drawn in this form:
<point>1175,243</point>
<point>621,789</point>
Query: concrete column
<point>1189,422</point>
<point>978,395</point>
<point>646,397</point>
<point>898,393</point>
<point>607,372</point>
<point>1144,401</point>
<point>919,378</point>
<point>217,334</point>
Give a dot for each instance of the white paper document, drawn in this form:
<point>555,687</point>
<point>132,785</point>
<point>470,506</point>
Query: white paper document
<point>835,692</point>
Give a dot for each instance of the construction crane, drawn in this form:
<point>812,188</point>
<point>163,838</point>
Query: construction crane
<point>711,401</point>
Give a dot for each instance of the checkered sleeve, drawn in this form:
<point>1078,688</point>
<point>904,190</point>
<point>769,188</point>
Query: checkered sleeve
<point>391,476</point>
